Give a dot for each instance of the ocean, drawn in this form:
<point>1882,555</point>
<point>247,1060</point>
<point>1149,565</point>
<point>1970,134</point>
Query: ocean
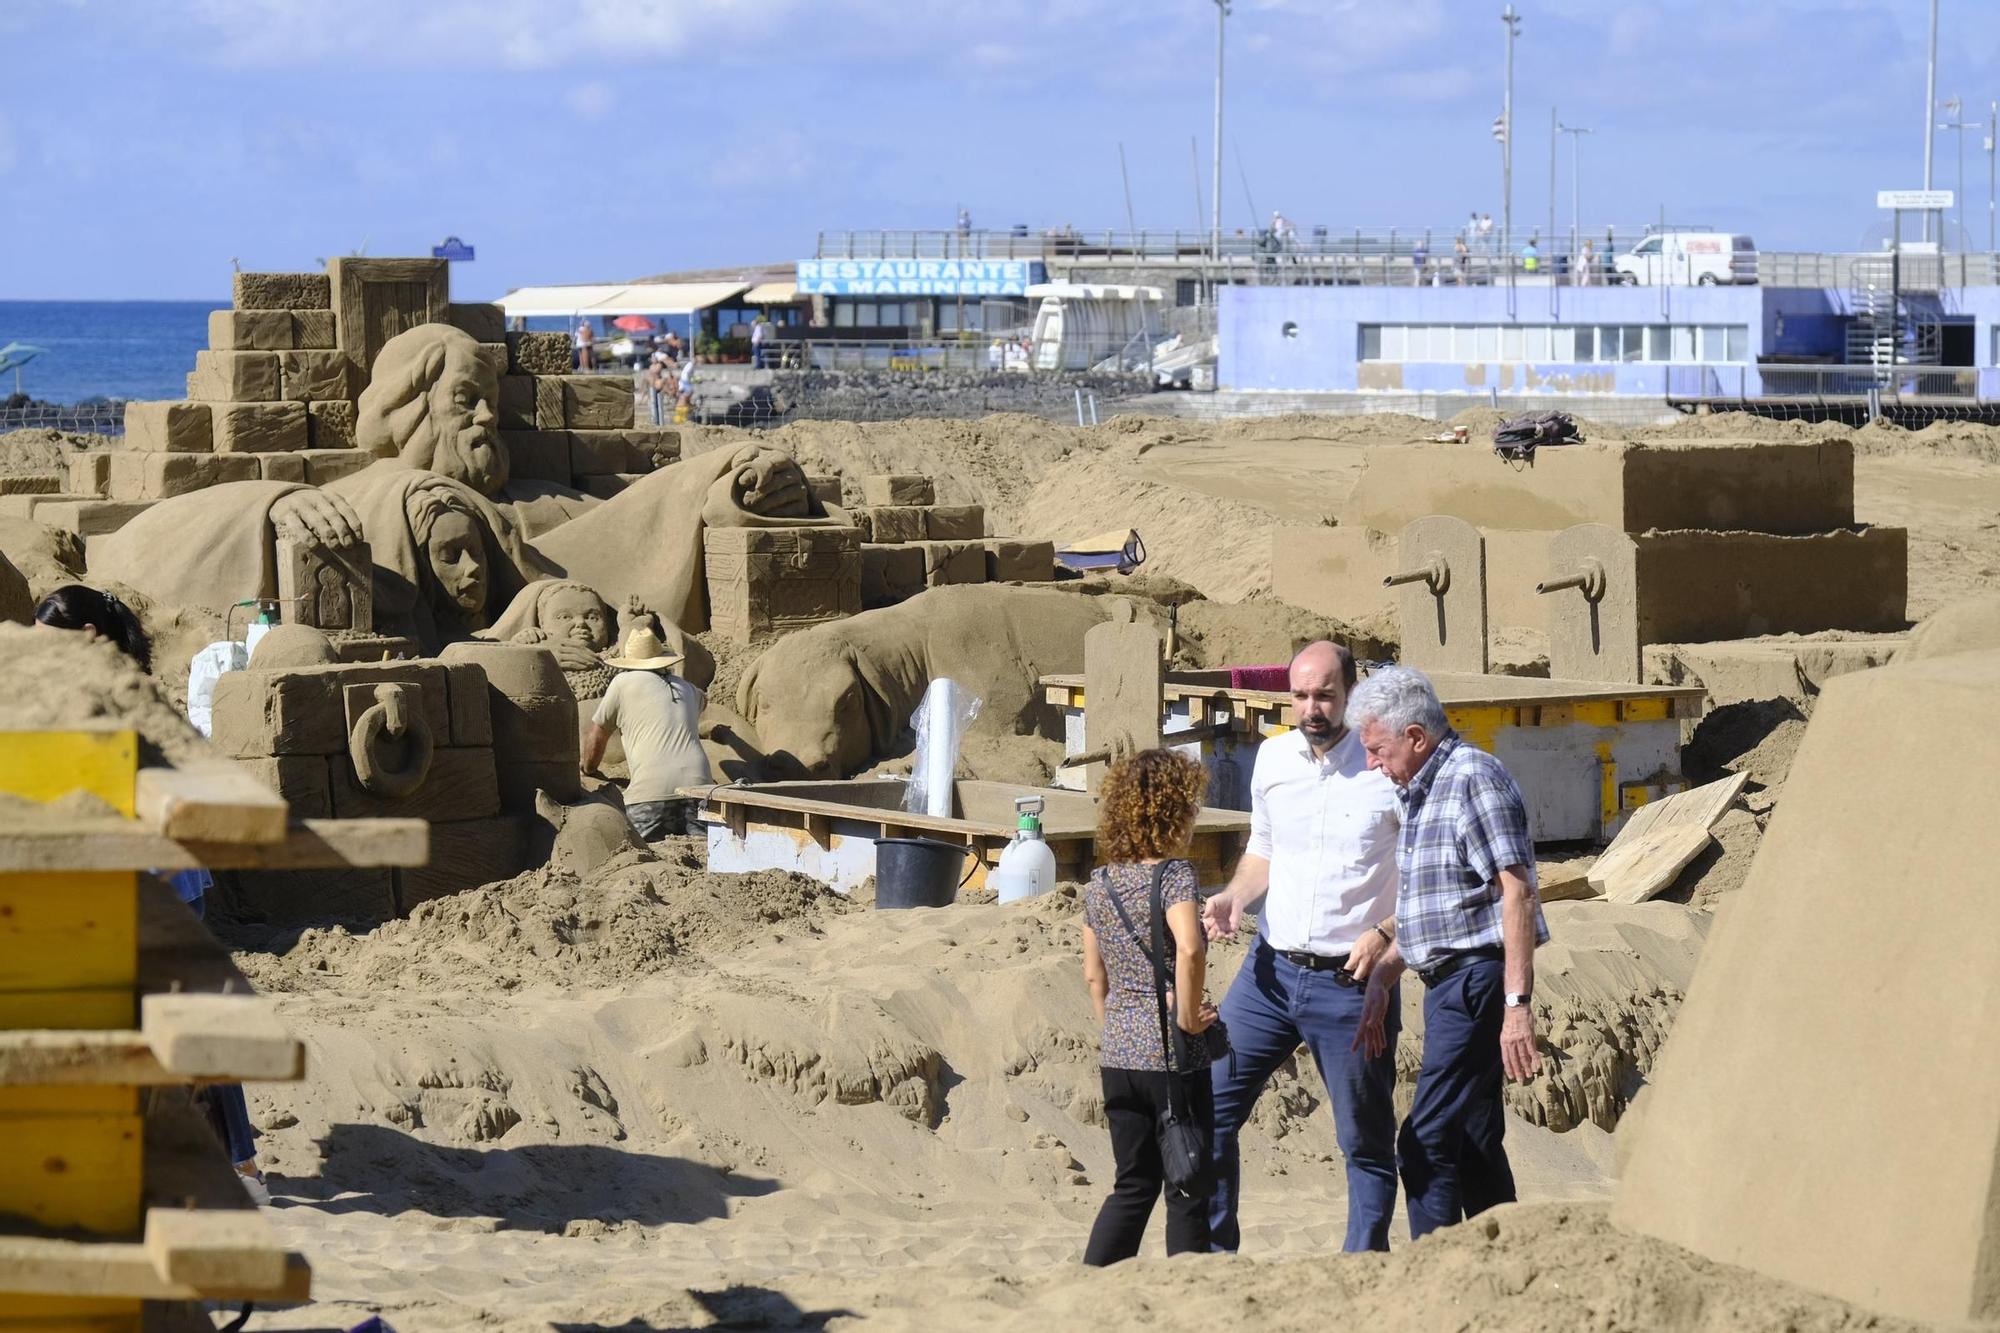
<point>105,349</point>
<point>121,349</point>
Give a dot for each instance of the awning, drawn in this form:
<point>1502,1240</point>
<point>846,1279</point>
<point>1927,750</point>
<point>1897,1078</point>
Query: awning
<point>772,293</point>
<point>641,298</point>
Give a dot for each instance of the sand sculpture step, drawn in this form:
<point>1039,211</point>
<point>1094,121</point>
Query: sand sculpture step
<point>1827,1109</point>
<point>1441,595</point>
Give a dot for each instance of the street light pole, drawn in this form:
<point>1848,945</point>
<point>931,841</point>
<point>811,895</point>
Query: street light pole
<point>1930,109</point>
<point>1992,138</point>
<point>1513,22</point>
<point>1575,133</point>
<point>1215,183</point>
<point>1952,106</point>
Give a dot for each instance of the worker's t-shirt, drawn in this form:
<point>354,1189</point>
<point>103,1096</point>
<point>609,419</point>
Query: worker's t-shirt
<point>661,732</point>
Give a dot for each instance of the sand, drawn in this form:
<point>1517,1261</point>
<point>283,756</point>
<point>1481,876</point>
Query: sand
<point>84,683</point>
<point>647,1096</point>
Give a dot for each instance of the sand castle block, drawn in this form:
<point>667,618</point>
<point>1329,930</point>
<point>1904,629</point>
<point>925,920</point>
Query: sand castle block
<point>314,329</point>
<point>1010,561</point>
<point>304,710</point>
<point>534,720</point>
<point>538,354</point>
<point>889,524</point>
<point>899,490</point>
<point>763,582</point>
<point>279,467</point>
<point>330,424</point>
<point>605,452</point>
<point>1124,674</point>
<point>329,465</point>
<point>947,563</point>
<point>954,523</point>
<point>325,588</point>
<point>1827,1108</point>
<point>315,376</point>
<point>375,299</point>
<point>597,402</point>
<point>259,428</point>
<point>550,413</point>
<point>89,472</point>
<point>251,330</point>
<point>485,322</point>
<point>174,427</point>
<point>1441,595</point>
<point>281,291</point>
<point>826,490</point>
<point>234,377</point>
<point>161,476</point>
<point>538,455</point>
<point>890,574</point>
<point>1698,587</point>
<point>516,404</point>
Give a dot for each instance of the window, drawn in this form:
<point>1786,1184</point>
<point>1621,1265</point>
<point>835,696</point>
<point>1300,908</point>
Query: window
<point>1649,246</point>
<point>1394,344</point>
<point>1487,340</point>
<point>1738,346</point>
<point>1678,345</point>
<point>1464,344</point>
<point>1371,342</point>
<point>1510,343</point>
<point>843,315</point>
<point>1632,343</point>
<point>1290,329</point>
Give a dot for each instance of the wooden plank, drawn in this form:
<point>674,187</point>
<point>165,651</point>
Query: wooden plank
<point>214,1249</point>
<point>69,1170</point>
<point>61,1314</point>
<point>236,1037</point>
<point>99,1009</point>
<point>49,1266</point>
<point>213,803</point>
<point>117,1056</point>
<point>67,930</point>
<point>48,765</point>
<point>1700,806</point>
<point>1638,868</point>
<point>111,844</point>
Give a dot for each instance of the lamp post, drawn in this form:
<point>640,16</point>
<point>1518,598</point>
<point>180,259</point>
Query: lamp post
<point>1930,109</point>
<point>1575,133</point>
<point>1215,183</point>
<point>1992,139</point>
<point>1513,22</point>
<point>1951,107</point>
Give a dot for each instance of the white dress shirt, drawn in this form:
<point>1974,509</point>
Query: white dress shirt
<point>1328,827</point>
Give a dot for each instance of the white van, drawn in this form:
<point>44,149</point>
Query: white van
<point>1688,258</point>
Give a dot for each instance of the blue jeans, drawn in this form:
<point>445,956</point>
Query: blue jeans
<point>1453,1146</point>
<point>1272,1006</point>
<point>231,1111</point>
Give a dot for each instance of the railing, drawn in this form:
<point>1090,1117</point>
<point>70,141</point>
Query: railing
<point>1891,383</point>
<point>1179,246</point>
<point>1916,273</point>
<point>83,418</point>
<point>976,353</point>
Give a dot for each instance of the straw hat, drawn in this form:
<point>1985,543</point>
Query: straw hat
<point>644,652</point>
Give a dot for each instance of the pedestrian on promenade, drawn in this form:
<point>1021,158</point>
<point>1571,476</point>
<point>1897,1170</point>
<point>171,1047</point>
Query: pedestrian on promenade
<point>760,330</point>
<point>1138,971</point>
<point>586,345</point>
<point>1468,921</point>
<point>1320,870</point>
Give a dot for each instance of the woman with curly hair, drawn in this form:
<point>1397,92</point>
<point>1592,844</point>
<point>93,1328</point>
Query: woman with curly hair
<point>1146,813</point>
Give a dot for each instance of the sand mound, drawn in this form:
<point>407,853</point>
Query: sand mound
<point>1945,439</point>
<point>46,556</point>
<point>79,682</point>
<point>634,917</point>
<point>1758,737</point>
<point>1742,426</point>
<point>43,450</point>
<point>1962,627</point>
<point>1267,631</point>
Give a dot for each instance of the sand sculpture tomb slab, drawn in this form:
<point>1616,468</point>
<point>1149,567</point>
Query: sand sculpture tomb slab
<point>1827,1108</point>
<point>375,299</point>
<point>1441,594</point>
<point>1124,672</point>
<point>324,588</point>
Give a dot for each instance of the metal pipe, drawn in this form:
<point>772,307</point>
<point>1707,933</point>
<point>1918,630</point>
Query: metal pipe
<point>1215,184</point>
<point>1513,22</point>
<point>1930,109</point>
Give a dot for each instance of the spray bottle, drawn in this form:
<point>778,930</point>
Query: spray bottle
<point>1027,867</point>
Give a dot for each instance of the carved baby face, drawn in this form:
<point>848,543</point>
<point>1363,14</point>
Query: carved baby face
<point>458,561</point>
<point>465,423</point>
<point>579,615</point>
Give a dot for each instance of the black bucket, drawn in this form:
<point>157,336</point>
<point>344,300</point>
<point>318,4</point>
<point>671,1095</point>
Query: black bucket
<point>919,872</point>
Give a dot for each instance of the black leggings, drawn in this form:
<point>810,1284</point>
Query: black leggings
<point>1134,1100</point>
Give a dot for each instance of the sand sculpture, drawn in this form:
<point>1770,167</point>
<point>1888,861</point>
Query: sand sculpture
<point>16,603</point>
<point>432,402</point>
<point>834,699</point>
<point>647,542</point>
<point>1839,1126</point>
<point>1967,626</point>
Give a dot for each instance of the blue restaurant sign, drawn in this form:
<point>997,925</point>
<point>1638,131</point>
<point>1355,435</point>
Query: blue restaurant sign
<point>917,277</point>
<point>454,249</point>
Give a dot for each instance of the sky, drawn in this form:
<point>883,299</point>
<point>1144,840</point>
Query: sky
<point>147,144</point>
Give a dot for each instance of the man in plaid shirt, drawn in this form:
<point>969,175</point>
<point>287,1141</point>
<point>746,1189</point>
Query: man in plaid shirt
<point>1467,922</point>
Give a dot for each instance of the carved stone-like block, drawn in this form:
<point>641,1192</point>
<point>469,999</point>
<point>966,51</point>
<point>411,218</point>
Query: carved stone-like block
<point>326,589</point>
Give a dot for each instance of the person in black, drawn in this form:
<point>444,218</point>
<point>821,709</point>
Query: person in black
<point>1146,814</point>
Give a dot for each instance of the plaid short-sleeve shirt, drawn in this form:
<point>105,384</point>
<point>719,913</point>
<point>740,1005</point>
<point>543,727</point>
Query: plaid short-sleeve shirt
<point>1463,823</point>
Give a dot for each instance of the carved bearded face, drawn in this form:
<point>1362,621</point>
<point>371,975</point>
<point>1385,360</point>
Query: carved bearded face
<point>432,401</point>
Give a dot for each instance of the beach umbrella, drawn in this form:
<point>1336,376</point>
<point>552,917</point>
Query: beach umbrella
<point>15,355</point>
<point>633,324</point>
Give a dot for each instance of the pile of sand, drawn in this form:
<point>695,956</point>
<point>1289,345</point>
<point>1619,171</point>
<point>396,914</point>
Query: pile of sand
<point>43,450</point>
<point>72,682</point>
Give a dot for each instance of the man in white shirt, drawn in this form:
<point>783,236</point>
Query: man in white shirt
<point>659,717</point>
<point>1322,862</point>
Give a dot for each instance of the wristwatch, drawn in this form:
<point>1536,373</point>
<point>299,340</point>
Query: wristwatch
<point>1518,999</point>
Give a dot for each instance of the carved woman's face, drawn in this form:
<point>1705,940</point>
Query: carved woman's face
<point>580,616</point>
<point>458,561</point>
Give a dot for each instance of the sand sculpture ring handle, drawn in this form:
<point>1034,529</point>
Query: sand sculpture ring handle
<point>391,744</point>
<point>1435,572</point>
<point>1589,581</point>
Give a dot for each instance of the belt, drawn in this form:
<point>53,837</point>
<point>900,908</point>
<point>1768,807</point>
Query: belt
<point>1452,962</point>
<point>1313,962</point>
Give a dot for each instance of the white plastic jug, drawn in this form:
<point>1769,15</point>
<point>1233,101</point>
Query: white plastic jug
<point>1027,867</point>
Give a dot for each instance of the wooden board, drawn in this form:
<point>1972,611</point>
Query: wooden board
<point>48,765</point>
<point>113,844</point>
<point>67,930</point>
<point>217,802</point>
<point>1659,839</point>
<point>66,1169</point>
<point>94,1270</point>
<point>202,1229</point>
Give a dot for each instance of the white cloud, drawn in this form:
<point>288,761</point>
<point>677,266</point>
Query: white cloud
<point>590,101</point>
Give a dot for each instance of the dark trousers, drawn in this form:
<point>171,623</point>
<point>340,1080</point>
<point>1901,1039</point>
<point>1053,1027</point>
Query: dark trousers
<point>224,1102</point>
<point>1134,1102</point>
<point>1453,1146</point>
<point>1273,1006</point>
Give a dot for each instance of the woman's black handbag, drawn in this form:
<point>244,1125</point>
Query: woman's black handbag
<point>1183,1154</point>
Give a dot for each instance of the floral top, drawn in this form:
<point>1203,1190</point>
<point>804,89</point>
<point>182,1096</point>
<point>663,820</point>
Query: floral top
<point>1131,1038</point>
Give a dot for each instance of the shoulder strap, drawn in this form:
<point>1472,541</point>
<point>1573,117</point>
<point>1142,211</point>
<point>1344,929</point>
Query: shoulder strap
<point>1169,1033</point>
